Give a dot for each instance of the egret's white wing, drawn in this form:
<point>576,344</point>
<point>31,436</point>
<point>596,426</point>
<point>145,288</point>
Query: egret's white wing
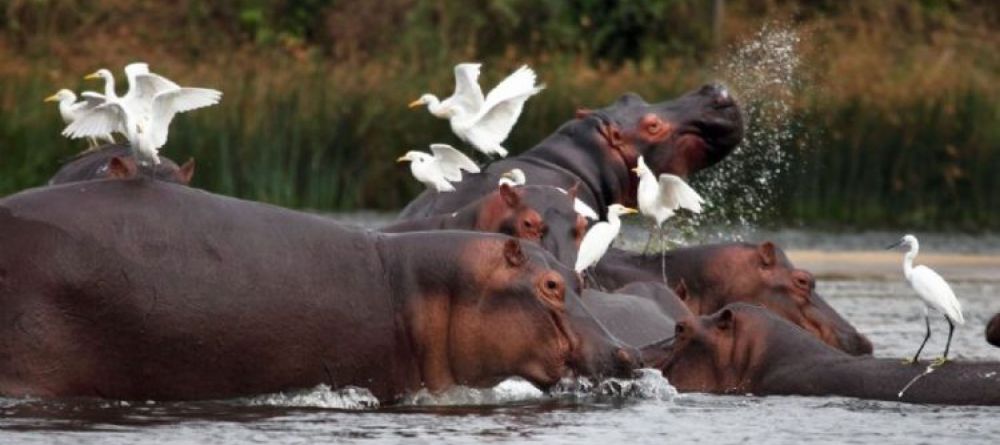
<point>502,107</point>
<point>675,193</point>
<point>134,69</point>
<point>468,94</point>
<point>98,122</point>
<point>595,243</point>
<point>168,103</point>
<point>93,99</point>
<point>451,162</point>
<point>936,292</point>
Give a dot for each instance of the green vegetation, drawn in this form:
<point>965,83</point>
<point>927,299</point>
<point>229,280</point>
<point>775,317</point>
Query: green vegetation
<point>897,121</point>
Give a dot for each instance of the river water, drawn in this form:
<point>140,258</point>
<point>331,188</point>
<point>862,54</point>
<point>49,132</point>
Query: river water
<point>643,411</point>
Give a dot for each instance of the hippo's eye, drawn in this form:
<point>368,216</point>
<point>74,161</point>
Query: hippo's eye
<point>551,285</point>
<point>653,127</point>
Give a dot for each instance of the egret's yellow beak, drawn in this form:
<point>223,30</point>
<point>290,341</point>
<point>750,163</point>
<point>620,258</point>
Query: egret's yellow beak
<point>630,210</point>
<point>635,170</point>
<point>92,76</point>
<point>52,98</point>
<point>416,103</point>
<point>403,159</point>
<point>507,175</point>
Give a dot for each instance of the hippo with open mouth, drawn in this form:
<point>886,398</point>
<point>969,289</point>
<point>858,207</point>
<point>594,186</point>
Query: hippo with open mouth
<point>600,148</point>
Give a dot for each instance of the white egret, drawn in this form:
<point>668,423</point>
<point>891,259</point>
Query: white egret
<point>146,134</point>
<point>660,198</point>
<point>934,291</point>
<point>71,110</point>
<point>516,177</point>
<point>483,122</point>
<point>438,170</point>
<point>599,238</point>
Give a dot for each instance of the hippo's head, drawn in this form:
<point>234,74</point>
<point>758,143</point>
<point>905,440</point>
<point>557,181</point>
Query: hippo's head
<point>993,331</point>
<point>763,275</point>
<point>543,214</point>
<point>520,314</point>
<point>679,136</point>
<point>117,162</point>
<point>729,350</point>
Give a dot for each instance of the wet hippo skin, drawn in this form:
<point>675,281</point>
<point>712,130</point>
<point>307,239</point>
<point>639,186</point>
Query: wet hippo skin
<point>142,289</point>
<point>639,314</point>
<point>715,275</point>
<point>543,214</point>
<point>117,161</point>
<point>599,148</point>
<point>747,349</point>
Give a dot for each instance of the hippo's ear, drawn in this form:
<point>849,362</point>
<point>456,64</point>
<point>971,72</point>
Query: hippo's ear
<point>681,290</point>
<point>725,319</point>
<point>122,168</point>
<point>583,112</point>
<point>186,172</point>
<point>513,254</point>
<point>612,134</point>
<point>768,257</point>
<point>630,98</point>
<point>572,191</point>
<point>509,195</point>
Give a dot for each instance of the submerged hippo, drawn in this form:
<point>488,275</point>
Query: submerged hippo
<point>543,214</point>
<point>993,331</point>
<point>718,274</point>
<point>599,149</point>
<point>142,289</point>
<point>117,161</point>
<point>640,313</point>
<point>747,349</point>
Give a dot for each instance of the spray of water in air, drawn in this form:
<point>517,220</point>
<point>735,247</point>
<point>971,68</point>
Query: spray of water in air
<point>762,72</point>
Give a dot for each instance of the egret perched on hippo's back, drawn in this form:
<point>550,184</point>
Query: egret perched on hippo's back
<point>438,170</point>
<point>144,114</point>
<point>600,236</point>
<point>516,177</point>
<point>933,290</point>
<point>71,110</point>
<point>481,121</point>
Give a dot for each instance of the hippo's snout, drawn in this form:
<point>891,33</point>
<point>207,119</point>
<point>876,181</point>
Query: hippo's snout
<point>627,360</point>
<point>859,345</point>
<point>718,95</point>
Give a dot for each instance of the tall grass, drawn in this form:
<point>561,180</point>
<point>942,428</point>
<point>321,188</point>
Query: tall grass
<point>897,123</point>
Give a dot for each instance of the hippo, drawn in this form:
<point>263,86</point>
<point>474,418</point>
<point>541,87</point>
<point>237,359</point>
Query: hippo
<point>139,289</point>
<point>117,161</point>
<point>599,149</point>
<point>718,274</point>
<point>543,214</point>
<point>639,314</point>
<point>747,349</point>
<point>993,331</point>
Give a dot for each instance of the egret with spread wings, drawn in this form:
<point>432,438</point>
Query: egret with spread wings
<point>438,169</point>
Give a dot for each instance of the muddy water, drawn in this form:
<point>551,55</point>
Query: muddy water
<point>881,307</point>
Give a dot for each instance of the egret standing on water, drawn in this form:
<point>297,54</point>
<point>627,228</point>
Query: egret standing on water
<point>71,110</point>
<point>599,238</point>
<point>483,122</point>
<point>439,170</point>
<point>934,291</point>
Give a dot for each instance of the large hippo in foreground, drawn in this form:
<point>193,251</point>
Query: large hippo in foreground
<point>142,289</point>
<point>715,275</point>
<point>539,213</point>
<point>599,149</point>
<point>747,349</point>
<point>117,162</point>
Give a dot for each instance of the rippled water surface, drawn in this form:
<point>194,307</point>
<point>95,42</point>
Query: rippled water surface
<point>515,412</point>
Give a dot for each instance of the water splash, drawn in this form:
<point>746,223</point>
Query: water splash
<point>763,74</point>
<point>512,390</point>
<point>320,396</point>
<point>649,385</point>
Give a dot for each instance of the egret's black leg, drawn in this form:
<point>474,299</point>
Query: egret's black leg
<point>927,320</point>
<point>951,330</point>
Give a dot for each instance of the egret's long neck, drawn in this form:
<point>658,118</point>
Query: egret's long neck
<point>109,87</point>
<point>615,221</point>
<point>908,259</point>
<point>434,106</point>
